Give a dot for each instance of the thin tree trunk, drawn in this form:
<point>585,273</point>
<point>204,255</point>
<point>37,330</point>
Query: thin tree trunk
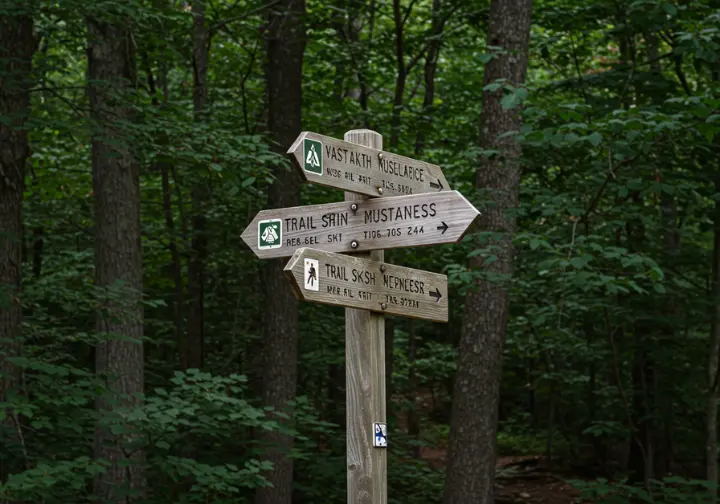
<point>641,450</point>
<point>400,78</point>
<point>433,53</point>
<point>17,45</point>
<point>389,353</point>
<point>711,445</point>
<point>178,294</point>
<point>471,459</point>
<point>413,416</point>
<point>164,167</point>
<point>285,51</point>
<point>38,246</point>
<point>118,261</point>
<point>199,195</point>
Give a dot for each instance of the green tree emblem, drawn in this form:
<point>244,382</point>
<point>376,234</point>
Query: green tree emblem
<point>312,153</point>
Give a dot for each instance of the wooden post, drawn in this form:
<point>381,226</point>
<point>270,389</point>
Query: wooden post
<point>365,379</point>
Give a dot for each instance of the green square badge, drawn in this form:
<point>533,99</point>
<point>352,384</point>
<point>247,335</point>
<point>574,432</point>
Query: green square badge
<point>312,153</point>
<point>269,234</point>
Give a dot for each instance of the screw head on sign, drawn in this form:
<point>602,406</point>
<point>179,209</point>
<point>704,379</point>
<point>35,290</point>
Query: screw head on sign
<point>354,207</point>
<point>380,155</point>
<point>383,305</point>
<point>380,190</point>
<point>382,268</point>
<point>354,244</point>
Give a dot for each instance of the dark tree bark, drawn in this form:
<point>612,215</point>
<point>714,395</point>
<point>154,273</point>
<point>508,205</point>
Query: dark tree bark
<point>17,45</point>
<point>641,456</point>
<point>193,352</point>
<point>401,77</point>
<point>471,459</point>
<point>118,261</point>
<point>433,53</point>
<point>38,246</point>
<point>711,443</point>
<point>413,418</point>
<point>285,51</point>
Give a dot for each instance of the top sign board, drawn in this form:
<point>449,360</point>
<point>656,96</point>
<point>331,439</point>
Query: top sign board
<point>354,226</point>
<point>343,165</point>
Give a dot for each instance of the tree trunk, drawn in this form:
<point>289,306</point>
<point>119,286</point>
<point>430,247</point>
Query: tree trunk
<point>285,51</point>
<point>413,415</point>
<point>389,355</point>
<point>178,293</point>
<point>199,195</point>
<point>118,261</point>
<point>711,464</point>
<point>400,78</point>
<point>433,53</point>
<point>17,45</point>
<point>471,458</point>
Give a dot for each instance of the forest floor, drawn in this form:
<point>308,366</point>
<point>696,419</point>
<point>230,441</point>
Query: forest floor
<point>519,479</point>
<point>528,480</point>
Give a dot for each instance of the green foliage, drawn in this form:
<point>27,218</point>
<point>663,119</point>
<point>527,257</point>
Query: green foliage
<point>613,249</point>
<point>670,490</point>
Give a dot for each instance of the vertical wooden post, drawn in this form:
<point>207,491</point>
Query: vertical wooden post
<point>365,379</point>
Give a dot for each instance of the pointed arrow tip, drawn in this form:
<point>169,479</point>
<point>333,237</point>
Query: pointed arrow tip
<point>437,295</point>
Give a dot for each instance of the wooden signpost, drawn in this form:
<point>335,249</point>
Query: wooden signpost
<point>413,206</point>
<point>335,279</point>
<point>380,223</point>
<point>364,170</point>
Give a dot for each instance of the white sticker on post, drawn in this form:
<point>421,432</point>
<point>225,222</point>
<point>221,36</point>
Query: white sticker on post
<point>380,435</point>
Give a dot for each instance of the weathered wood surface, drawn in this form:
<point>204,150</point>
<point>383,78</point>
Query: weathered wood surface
<point>365,381</point>
<point>381,223</point>
<point>356,282</point>
<point>364,170</point>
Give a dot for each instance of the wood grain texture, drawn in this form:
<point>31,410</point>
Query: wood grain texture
<point>380,223</point>
<point>364,170</point>
<point>356,282</point>
<point>365,382</point>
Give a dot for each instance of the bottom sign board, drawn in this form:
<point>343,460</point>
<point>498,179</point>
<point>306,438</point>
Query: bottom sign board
<point>356,282</point>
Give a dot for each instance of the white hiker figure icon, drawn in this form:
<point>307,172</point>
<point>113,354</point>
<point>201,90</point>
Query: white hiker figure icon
<point>312,275</point>
<point>312,157</point>
<point>270,235</point>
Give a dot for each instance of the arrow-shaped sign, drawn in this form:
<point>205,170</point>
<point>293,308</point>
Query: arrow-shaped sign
<point>381,223</point>
<point>355,282</point>
<point>344,165</point>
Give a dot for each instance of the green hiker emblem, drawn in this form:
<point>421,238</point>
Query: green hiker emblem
<point>269,234</point>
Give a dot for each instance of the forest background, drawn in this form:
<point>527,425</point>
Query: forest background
<point>148,356</point>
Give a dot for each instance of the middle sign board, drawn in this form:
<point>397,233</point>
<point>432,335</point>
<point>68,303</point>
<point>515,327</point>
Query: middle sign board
<point>351,167</point>
<point>380,223</point>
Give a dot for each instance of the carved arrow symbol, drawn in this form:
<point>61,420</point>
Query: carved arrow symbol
<point>444,227</point>
<point>436,295</point>
<point>437,186</point>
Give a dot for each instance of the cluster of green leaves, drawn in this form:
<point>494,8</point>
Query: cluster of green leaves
<point>673,489</point>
